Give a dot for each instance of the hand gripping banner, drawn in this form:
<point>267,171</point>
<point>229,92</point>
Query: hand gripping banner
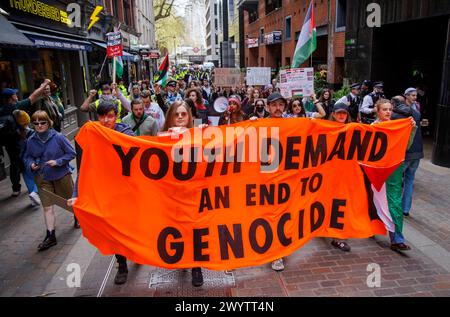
<point>233,196</point>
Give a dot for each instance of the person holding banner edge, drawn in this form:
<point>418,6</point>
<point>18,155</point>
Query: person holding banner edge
<point>108,113</point>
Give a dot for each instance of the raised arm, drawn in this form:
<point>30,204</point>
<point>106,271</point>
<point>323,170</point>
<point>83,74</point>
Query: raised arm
<point>88,100</point>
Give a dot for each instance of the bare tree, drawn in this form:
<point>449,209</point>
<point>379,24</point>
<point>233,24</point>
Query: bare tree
<point>163,9</point>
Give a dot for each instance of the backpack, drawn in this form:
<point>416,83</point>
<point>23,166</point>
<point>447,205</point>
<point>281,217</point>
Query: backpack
<point>8,128</point>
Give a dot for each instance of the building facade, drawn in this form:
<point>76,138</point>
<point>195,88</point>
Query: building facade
<point>146,44</point>
<point>271,29</point>
<point>213,23</point>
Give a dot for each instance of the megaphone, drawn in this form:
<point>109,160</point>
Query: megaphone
<point>221,104</point>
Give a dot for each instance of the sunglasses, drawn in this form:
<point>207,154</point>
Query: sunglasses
<point>296,105</point>
<point>36,123</point>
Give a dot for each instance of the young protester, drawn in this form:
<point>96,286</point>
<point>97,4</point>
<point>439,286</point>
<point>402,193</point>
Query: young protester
<point>340,114</point>
<point>394,185</point>
<point>139,121</point>
<point>108,113</point>
<point>179,118</point>
<point>233,114</point>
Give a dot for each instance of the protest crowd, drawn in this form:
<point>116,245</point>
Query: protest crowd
<point>31,132</point>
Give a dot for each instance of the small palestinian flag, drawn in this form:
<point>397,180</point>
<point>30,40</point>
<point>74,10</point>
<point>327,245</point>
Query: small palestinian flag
<point>162,76</point>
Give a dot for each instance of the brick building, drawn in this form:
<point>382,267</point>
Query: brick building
<point>271,29</point>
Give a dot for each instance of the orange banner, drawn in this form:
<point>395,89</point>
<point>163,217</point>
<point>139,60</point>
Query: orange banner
<point>228,204</point>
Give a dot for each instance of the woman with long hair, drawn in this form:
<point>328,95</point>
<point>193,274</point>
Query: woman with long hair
<point>234,113</point>
<point>326,101</point>
<point>179,119</point>
<point>259,110</point>
<point>296,109</point>
<point>197,97</point>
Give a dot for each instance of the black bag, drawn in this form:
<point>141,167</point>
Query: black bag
<point>8,129</point>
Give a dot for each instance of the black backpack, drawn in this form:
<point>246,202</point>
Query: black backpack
<point>8,129</point>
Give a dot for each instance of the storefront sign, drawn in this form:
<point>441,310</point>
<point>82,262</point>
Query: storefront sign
<point>252,42</point>
<point>273,37</point>
<point>58,44</point>
<point>296,81</point>
<point>114,44</point>
<point>41,9</point>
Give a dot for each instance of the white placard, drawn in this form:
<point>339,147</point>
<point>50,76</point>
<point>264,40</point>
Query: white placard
<point>296,81</point>
<point>258,76</point>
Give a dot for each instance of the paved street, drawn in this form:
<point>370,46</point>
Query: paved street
<point>315,270</point>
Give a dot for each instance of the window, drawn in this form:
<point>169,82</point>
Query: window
<point>261,36</point>
<point>215,8</point>
<point>272,5</point>
<point>297,35</point>
<point>288,28</point>
<point>216,25</point>
<point>253,16</point>
<point>341,15</point>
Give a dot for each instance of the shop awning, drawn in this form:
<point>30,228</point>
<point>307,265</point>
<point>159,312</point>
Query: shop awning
<point>12,36</point>
<point>126,56</point>
<point>57,42</point>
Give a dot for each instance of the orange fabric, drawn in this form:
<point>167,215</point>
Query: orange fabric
<point>123,210</point>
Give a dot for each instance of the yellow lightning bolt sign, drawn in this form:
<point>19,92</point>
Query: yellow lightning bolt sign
<point>94,18</point>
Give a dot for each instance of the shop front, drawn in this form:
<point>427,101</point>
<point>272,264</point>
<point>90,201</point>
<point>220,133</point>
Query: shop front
<point>58,52</point>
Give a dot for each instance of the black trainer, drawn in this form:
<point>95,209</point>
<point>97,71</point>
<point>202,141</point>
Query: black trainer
<point>76,224</point>
<point>197,277</point>
<point>49,241</point>
<point>122,275</point>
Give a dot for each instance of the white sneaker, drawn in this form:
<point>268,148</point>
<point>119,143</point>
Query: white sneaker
<point>278,265</point>
<point>35,200</point>
<point>15,194</point>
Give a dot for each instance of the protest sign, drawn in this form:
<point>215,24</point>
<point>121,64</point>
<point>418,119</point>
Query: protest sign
<point>258,76</point>
<point>296,81</point>
<point>227,77</point>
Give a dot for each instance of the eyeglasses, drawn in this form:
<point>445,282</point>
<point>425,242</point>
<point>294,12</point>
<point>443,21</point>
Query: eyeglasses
<point>36,123</point>
<point>296,105</point>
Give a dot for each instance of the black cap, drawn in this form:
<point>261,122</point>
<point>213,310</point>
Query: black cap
<point>378,84</point>
<point>356,86</point>
<point>275,96</point>
<point>340,106</point>
<point>366,82</point>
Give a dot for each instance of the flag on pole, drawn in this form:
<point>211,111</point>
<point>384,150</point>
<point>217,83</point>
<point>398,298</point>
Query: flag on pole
<point>162,76</point>
<point>307,42</point>
<point>119,66</point>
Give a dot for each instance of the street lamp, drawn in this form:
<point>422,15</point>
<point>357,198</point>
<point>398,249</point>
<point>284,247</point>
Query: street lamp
<point>175,48</point>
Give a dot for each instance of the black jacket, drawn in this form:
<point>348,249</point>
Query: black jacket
<point>402,111</point>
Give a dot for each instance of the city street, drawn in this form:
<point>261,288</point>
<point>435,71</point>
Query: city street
<point>314,270</point>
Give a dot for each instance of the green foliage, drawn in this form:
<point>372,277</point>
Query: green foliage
<point>344,91</point>
<point>320,81</point>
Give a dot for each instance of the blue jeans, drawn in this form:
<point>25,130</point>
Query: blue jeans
<point>28,177</point>
<point>396,237</point>
<point>408,183</point>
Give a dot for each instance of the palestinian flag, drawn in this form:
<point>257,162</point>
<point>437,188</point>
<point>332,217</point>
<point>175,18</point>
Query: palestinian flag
<point>307,42</point>
<point>119,66</point>
<point>162,76</point>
